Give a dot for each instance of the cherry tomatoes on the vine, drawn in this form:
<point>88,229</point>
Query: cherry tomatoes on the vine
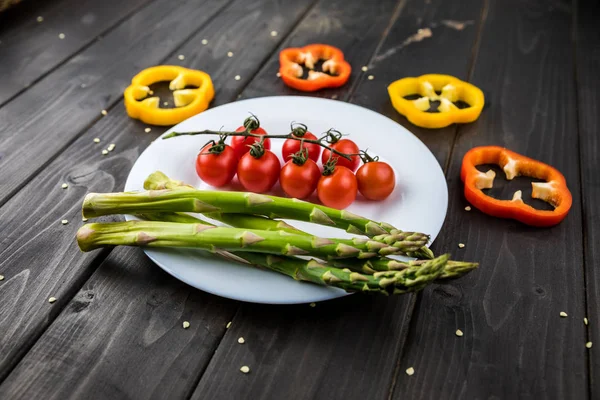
<point>258,172</point>
<point>376,180</point>
<point>337,190</point>
<point>240,144</point>
<point>291,146</point>
<point>299,181</point>
<point>216,169</point>
<point>346,146</point>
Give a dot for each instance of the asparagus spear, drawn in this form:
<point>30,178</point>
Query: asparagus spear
<point>169,234</point>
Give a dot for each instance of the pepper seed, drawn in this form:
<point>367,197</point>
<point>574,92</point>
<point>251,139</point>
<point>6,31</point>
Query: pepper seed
<point>40,19</point>
<point>147,130</point>
<point>104,152</point>
<point>459,333</point>
<point>241,340</point>
<point>51,300</point>
<point>371,77</point>
<point>461,245</point>
<point>61,36</point>
<point>186,324</point>
<point>365,68</point>
<point>468,208</point>
<point>278,75</point>
<point>237,77</point>
<point>204,41</point>
<point>64,221</point>
<point>1,277</point>
<point>228,325</point>
<point>588,345</point>
<point>181,57</point>
<point>245,369</point>
<point>104,112</point>
<point>84,219</point>
<point>273,33</point>
<point>229,54</point>
<point>64,186</point>
<point>563,314</point>
<point>96,140</point>
<point>410,371</point>
<point>585,321</point>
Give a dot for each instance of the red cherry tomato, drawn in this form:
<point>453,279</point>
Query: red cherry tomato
<point>299,181</point>
<point>291,146</point>
<point>216,169</point>
<point>337,190</point>
<point>344,146</point>
<point>240,143</point>
<point>259,174</point>
<point>376,180</point>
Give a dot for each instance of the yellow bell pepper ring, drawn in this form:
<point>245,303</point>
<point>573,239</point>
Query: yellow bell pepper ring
<point>188,102</point>
<point>445,89</point>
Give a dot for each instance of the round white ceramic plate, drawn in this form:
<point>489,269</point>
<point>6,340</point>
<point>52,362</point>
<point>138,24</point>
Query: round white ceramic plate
<point>418,203</point>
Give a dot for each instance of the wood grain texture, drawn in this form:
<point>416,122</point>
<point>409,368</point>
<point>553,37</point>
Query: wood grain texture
<point>63,108</point>
<point>122,337</point>
<point>29,49</point>
<point>515,344</point>
<point>588,87</point>
<point>347,348</point>
<point>31,231</point>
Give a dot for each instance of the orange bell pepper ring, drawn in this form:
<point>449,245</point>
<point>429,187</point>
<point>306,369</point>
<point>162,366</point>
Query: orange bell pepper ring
<point>433,87</point>
<point>553,191</point>
<point>188,102</point>
<point>291,70</point>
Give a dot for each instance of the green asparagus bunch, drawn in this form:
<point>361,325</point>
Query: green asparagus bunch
<point>257,238</point>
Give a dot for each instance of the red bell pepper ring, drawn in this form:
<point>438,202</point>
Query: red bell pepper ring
<point>553,191</point>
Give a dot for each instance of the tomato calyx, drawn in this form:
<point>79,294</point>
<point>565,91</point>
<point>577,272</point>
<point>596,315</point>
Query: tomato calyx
<point>333,136</point>
<point>215,147</point>
<point>366,157</point>
<point>298,129</point>
<point>251,123</point>
<point>257,150</point>
<point>329,166</point>
<point>299,158</point>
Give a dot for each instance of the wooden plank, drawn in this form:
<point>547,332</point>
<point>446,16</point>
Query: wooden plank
<point>30,48</point>
<point>67,101</point>
<point>588,85</point>
<point>40,258</point>
<point>515,344</point>
<point>347,348</point>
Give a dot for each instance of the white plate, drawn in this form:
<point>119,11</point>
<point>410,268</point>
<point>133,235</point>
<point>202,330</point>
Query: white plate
<point>418,203</point>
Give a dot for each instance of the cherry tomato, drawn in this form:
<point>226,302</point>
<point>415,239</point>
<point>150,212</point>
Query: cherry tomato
<point>376,180</point>
<point>337,190</point>
<point>291,146</point>
<point>299,181</point>
<point>216,169</point>
<point>258,174</point>
<point>240,143</point>
<point>344,146</point>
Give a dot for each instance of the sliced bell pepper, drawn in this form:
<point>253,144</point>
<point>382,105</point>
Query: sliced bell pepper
<point>291,71</point>
<point>553,191</point>
<point>188,102</point>
<point>433,87</point>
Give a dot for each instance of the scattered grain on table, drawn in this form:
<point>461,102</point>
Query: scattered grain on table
<point>186,324</point>
<point>61,36</point>
<point>104,112</point>
<point>563,314</point>
<point>228,325</point>
<point>204,41</point>
<point>273,33</point>
<point>64,185</point>
<point>588,345</point>
<point>410,371</point>
<point>459,333</point>
<point>241,340</point>
<point>181,57</point>
<point>371,77</point>
<point>96,140</point>
<point>585,321</point>
<point>365,68</point>
<point>1,277</point>
<point>51,300</point>
<point>64,221</point>
<point>229,54</point>
<point>237,77</point>
<point>245,369</point>
<point>461,245</point>
<point>468,208</point>
<point>104,152</point>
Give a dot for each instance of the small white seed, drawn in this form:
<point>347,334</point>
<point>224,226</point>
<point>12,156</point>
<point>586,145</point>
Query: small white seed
<point>365,68</point>
<point>229,54</point>
<point>371,77</point>
<point>104,152</point>
<point>585,321</point>
<point>186,324</point>
<point>40,19</point>
<point>147,130</point>
<point>410,371</point>
<point>166,103</point>
<point>335,96</point>
<point>204,41</point>
<point>51,300</point>
<point>468,208</point>
<point>241,340</point>
<point>96,140</point>
<point>84,219</point>
<point>181,57</point>
<point>313,304</point>
<point>61,36</point>
<point>461,245</point>
<point>245,369</point>
<point>273,33</point>
<point>1,277</point>
<point>563,314</point>
<point>64,185</point>
<point>104,112</point>
<point>459,333</point>
<point>64,221</point>
<point>278,75</point>
<point>237,77</point>
<point>111,147</point>
<point>588,345</point>
<point>228,325</point>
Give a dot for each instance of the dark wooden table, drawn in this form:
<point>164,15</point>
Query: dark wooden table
<point>115,330</point>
